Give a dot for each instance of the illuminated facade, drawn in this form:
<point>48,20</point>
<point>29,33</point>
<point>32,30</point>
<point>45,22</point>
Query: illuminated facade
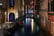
<point>12,9</point>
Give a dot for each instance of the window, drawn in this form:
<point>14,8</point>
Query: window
<point>11,3</point>
<point>52,5</point>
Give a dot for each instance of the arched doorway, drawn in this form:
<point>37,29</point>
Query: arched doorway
<point>11,17</point>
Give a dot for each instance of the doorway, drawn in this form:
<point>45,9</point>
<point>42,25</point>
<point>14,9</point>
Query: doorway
<point>11,17</point>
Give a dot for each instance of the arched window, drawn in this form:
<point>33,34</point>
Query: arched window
<point>11,17</point>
